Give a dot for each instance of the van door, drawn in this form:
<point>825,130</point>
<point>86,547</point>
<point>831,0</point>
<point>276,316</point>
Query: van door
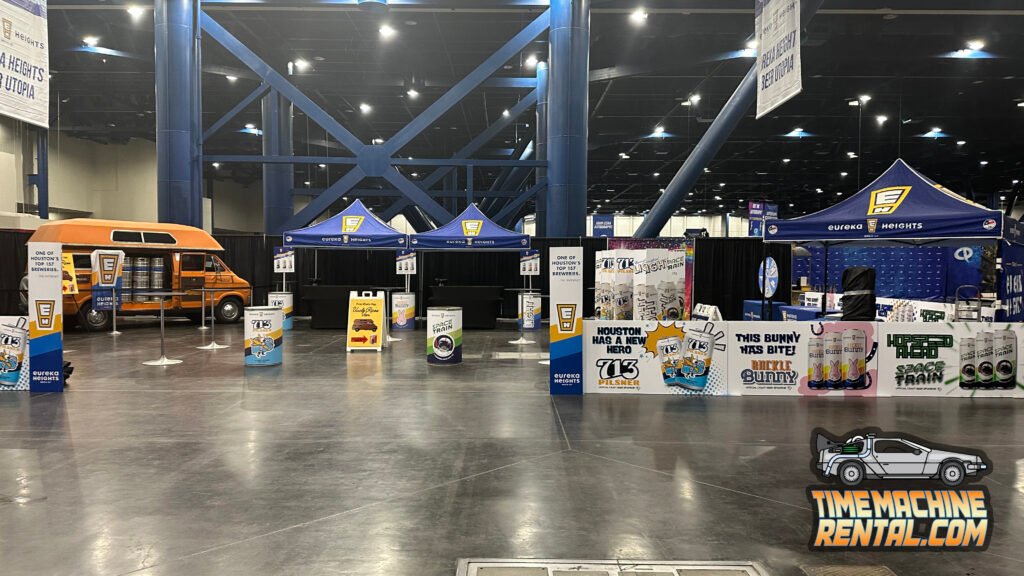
<point>192,278</point>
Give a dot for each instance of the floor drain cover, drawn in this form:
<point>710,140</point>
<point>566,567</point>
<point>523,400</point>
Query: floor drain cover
<point>847,571</point>
<point>538,567</point>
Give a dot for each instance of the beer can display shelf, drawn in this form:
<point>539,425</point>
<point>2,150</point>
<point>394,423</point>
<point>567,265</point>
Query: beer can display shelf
<point>264,336</point>
<point>285,301</point>
<point>444,335</point>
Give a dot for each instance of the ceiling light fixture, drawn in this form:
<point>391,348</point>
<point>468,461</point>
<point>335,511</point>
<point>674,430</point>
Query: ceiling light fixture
<point>231,78</point>
<point>387,32</point>
<point>135,11</point>
<point>752,45</point>
<point>659,129</point>
<point>961,142</point>
<point>301,65</point>
<point>412,93</point>
<point>844,174</point>
<point>378,141</point>
<point>322,165</point>
<point>785,160</point>
<point>216,165</point>
<point>638,17</point>
<point>864,98</point>
<point>531,60</point>
<point>881,119</point>
<point>91,41</point>
<point>694,99</point>
<point>506,113</point>
<point>976,45</point>
<point>365,108</point>
<point>983,163</point>
<point>250,126</point>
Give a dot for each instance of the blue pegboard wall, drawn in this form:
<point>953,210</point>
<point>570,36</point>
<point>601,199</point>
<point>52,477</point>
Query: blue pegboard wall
<point>909,272</point>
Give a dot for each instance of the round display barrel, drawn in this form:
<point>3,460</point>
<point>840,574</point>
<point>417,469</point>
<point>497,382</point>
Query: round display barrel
<point>444,335</point>
<point>264,336</point>
<point>284,301</point>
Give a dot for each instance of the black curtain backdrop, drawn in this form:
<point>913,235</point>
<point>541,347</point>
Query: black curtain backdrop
<point>12,245</point>
<point>251,257</point>
<point>725,272</point>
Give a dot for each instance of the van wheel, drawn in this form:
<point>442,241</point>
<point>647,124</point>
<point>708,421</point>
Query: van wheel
<point>229,310</point>
<point>93,320</point>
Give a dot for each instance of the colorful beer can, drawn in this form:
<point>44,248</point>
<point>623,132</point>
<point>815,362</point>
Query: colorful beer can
<point>816,363</point>
<point>968,364</point>
<point>698,349</point>
<point>854,365</point>
<point>12,351</point>
<point>286,302</point>
<point>833,360</point>
<point>985,359</point>
<point>670,354</point>
<point>1004,352</point>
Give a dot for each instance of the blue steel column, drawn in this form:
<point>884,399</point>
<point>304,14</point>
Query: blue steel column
<point>568,89</point>
<point>179,199</point>
<point>540,149</point>
<point>278,179</point>
<point>43,174</point>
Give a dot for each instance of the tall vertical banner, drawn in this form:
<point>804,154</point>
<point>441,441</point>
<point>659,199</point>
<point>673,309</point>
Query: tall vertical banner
<point>1011,283</point>
<point>779,78</point>
<point>565,269</point>
<point>603,225</point>
<point>46,317</point>
<point>24,62</point>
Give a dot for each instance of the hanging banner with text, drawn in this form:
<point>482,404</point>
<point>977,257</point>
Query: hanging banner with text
<point>284,260</point>
<point>565,269</point>
<point>604,225</point>
<point>24,62</point>
<point>777,23</point>
<point>46,317</point>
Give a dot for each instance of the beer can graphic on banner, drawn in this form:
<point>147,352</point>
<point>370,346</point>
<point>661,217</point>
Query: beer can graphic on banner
<point>603,301</point>
<point>670,354</point>
<point>623,301</point>
<point>264,336</point>
<point>815,363</point>
<point>1004,355</point>
<point>668,301</point>
<point>12,351</point>
<point>985,362</point>
<point>286,302</point>
<point>833,360</point>
<point>968,364</point>
<point>698,348</point>
<point>681,299</point>
<point>854,365</point>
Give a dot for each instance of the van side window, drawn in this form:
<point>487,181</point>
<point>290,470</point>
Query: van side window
<point>159,238</point>
<point>213,265</point>
<point>192,262</point>
<point>83,262</point>
<point>126,236</point>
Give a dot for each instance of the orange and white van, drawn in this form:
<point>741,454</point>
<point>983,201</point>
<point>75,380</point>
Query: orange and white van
<point>189,258</point>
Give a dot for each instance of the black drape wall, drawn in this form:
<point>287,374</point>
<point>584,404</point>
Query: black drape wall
<point>725,272</point>
<point>15,262</point>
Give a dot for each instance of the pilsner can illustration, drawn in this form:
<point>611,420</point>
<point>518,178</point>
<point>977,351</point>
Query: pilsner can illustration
<point>264,335</point>
<point>623,301</point>
<point>670,355</point>
<point>985,362</point>
<point>12,351</point>
<point>816,363</point>
<point>968,365</point>
<point>668,302</point>
<point>853,367</point>
<point>681,298</point>
<point>698,348</point>
<point>603,300</point>
<point>1004,352</point>
<point>834,360</point>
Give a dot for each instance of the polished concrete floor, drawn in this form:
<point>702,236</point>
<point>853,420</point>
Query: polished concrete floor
<point>371,464</point>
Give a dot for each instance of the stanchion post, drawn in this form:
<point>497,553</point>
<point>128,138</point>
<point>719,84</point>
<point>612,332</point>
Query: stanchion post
<point>113,310</point>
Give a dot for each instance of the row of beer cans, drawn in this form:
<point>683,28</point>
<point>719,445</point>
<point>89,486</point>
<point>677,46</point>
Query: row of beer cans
<point>838,361</point>
<point>989,360</point>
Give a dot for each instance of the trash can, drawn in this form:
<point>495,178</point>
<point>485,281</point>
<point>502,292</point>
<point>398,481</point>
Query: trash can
<point>264,336</point>
<point>444,335</point>
<point>286,302</point>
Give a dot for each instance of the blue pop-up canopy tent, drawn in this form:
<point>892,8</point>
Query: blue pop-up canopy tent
<point>355,227</point>
<point>901,205</point>
<point>471,230</point>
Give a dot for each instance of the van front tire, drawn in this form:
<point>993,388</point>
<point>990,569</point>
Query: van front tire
<point>229,310</point>
<point>93,320</point>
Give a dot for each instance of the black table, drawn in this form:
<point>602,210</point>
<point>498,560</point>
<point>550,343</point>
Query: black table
<point>481,305</point>
<point>328,305</point>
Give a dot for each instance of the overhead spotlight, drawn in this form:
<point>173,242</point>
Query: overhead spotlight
<point>365,108</point>
<point>881,119</point>
<point>415,174</point>
<point>661,190</point>
<point>935,130</point>
<point>818,190</point>
<point>307,182</point>
<point>250,126</point>
<point>707,170</point>
<point>1002,198</point>
<point>844,174</point>
<point>853,103</point>
<point>378,141</point>
<point>506,113</point>
<point>231,78</point>
<point>721,184</point>
<point>387,32</point>
<point>659,129</point>
<point>851,154</point>
<point>1020,104</point>
<point>694,99</point>
<point>718,197</point>
<point>1015,182</point>
<point>531,60</point>
<point>785,160</point>
<point>983,163</point>
<point>839,193</point>
<point>752,45</point>
<point>790,204</point>
<point>301,65</point>
<point>656,174</point>
<point>976,45</point>
<point>216,165</point>
<point>412,93</point>
<point>864,98</point>
<point>638,17</point>
<point>961,142</point>
<point>135,11</point>
<point>91,41</point>
<point>322,165</point>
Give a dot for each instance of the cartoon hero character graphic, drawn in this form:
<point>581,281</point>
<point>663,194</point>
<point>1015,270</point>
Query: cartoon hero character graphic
<point>874,455</point>
<point>261,345</point>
